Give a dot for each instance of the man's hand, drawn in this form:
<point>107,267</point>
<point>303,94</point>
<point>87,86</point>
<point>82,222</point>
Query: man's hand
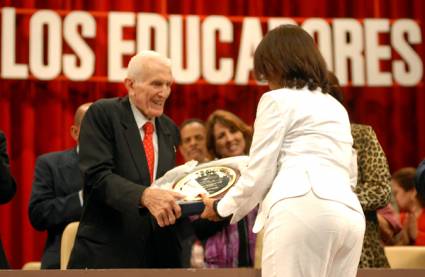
<point>162,205</point>
<point>209,212</point>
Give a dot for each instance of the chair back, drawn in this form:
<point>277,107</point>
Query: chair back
<point>406,256</point>
<point>67,243</point>
<point>32,266</point>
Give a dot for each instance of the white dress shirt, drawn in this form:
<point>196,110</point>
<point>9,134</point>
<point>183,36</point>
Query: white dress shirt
<point>302,141</point>
<point>140,121</point>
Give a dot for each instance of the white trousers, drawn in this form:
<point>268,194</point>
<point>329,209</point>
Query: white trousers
<point>309,236</point>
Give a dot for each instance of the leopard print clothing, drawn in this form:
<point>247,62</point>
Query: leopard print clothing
<point>373,190</point>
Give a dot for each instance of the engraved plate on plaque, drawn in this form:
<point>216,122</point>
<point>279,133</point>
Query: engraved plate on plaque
<point>216,180</point>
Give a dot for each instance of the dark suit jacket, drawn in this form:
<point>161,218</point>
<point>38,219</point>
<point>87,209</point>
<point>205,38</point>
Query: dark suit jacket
<point>420,179</point>
<point>7,188</point>
<point>112,232</point>
<point>54,200</point>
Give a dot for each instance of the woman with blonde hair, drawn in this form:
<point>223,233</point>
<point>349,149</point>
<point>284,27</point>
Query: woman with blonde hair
<point>228,245</point>
<point>221,125</point>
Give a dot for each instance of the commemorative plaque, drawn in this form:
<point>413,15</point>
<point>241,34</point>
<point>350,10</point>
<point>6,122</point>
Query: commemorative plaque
<point>213,181</point>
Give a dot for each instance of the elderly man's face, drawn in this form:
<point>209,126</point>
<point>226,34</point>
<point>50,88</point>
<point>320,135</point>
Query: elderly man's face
<point>150,92</point>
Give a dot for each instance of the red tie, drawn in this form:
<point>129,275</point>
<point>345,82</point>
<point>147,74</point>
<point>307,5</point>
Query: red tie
<point>148,145</point>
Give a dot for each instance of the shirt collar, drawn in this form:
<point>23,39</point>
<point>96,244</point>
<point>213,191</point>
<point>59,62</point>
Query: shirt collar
<point>139,117</point>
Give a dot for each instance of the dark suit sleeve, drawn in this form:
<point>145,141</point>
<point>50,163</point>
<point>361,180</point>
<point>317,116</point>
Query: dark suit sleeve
<point>204,228</point>
<point>46,208</point>
<point>97,161</point>
<point>7,183</point>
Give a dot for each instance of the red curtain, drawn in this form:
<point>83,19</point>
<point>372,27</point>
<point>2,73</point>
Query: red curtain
<point>36,115</point>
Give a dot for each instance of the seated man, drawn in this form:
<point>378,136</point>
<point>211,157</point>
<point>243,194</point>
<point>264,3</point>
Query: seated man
<point>193,136</point>
<point>193,146</point>
<point>56,198</point>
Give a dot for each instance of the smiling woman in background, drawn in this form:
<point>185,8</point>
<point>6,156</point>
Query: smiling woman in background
<point>228,245</point>
<point>227,135</point>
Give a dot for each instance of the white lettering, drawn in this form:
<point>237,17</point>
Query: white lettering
<point>152,25</point>
<point>348,45</point>
<point>10,69</point>
<point>250,37</point>
<point>191,73</point>
<point>375,52</point>
<point>71,35</point>
<point>320,27</point>
<point>413,75</point>
<point>117,47</point>
<point>224,28</point>
<point>52,21</point>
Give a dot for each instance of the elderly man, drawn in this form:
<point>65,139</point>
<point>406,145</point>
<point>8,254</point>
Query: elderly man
<point>56,197</point>
<point>125,144</point>
<point>193,145</point>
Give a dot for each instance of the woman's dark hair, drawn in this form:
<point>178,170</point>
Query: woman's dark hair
<point>231,121</point>
<point>335,88</point>
<point>288,56</point>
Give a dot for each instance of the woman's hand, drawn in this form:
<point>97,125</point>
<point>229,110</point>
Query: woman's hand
<point>209,212</point>
<point>412,227</point>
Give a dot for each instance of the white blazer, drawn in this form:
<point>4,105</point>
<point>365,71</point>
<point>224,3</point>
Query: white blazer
<point>302,141</point>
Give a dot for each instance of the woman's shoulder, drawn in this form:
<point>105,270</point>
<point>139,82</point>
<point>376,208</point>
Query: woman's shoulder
<point>362,131</point>
<point>280,95</point>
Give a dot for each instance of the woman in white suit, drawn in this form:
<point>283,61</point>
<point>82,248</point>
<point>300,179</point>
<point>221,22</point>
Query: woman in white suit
<point>300,168</point>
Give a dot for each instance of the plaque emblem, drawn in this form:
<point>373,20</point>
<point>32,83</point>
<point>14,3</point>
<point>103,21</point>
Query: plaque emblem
<point>212,180</point>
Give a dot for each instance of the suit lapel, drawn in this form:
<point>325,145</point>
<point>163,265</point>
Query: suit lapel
<point>134,141</point>
<point>166,148</point>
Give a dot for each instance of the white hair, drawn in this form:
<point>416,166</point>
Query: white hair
<point>139,61</point>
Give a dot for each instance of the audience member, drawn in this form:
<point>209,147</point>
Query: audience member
<point>411,206</point>
<point>56,198</point>
<point>299,168</point>
<point>227,135</point>
<point>389,225</point>
<point>7,188</point>
<point>125,144</point>
<point>193,146</point>
<point>228,245</point>
<point>373,184</point>
<point>373,190</point>
<point>193,141</point>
